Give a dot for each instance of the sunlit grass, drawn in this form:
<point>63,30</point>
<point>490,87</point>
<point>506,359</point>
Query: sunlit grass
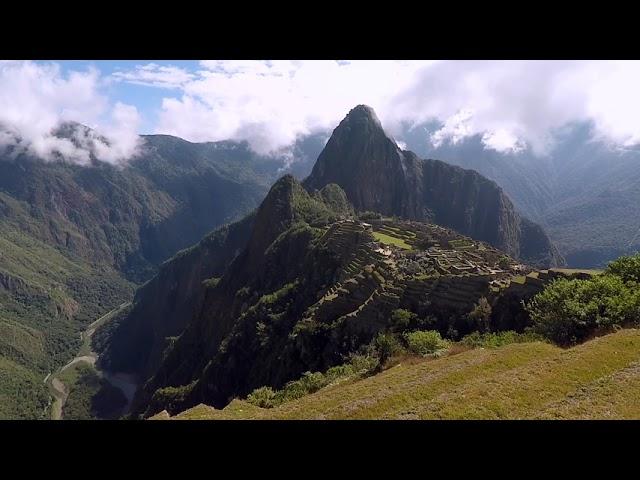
<point>389,240</point>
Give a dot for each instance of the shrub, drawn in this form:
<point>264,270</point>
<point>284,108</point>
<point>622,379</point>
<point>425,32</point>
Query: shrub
<point>387,345</point>
<point>262,397</point>
<point>481,313</point>
<point>363,364</point>
<point>568,311</point>
<point>368,215</point>
<point>309,382</point>
<point>627,268</point>
<point>425,342</point>
<point>498,339</point>
<point>504,263</point>
<point>401,319</point>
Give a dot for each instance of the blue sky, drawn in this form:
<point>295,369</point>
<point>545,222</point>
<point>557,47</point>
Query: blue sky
<point>147,100</point>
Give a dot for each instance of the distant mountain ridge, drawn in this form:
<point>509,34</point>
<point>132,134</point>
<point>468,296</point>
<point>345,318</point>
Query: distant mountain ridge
<point>585,192</point>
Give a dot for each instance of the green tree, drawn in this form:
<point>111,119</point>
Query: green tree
<point>387,345</point>
<point>401,319</point>
<point>481,313</point>
<point>627,268</point>
<point>504,263</point>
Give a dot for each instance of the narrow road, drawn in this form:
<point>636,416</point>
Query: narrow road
<point>60,391</point>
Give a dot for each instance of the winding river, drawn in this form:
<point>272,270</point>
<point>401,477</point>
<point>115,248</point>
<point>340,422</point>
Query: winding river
<point>123,381</point>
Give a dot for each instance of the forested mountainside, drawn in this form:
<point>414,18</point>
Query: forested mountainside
<point>75,240</point>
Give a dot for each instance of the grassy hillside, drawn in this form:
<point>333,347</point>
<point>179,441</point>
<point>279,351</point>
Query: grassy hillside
<point>598,379</point>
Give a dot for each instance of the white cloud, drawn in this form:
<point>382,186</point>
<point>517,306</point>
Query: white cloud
<point>514,102</point>
<point>510,104</point>
<point>271,103</point>
<point>455,128</point>
<point>154,75</point>
<point>502,141</point>
<point>36,99</point>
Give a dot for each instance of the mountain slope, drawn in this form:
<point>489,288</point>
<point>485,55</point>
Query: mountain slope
<point>74,240</point>
<point>307,291</point>
<point>376,175</point>
<point>596,380</point>
<point>584,191</point>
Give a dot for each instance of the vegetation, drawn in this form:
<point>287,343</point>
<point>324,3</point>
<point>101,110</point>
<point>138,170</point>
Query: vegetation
<point>627,268</point>
<point>47,297</point>
<point>389,240</point>
<point>387,345</point>
<point>481,313</point>
<point>570,311</point>
<point>369,215</point>
<point>499,339</point>
<point>425,342</point>
<point>504,262</point>
<point>90,396</point>
<point>23,394</point>
<point>401,319</point>
<point>357,367</point>
<point>595,380</point>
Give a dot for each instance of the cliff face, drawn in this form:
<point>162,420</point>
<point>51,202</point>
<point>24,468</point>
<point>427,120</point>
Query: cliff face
<point>164,305</point>
<point>273,256</point>
<point>377,175</point>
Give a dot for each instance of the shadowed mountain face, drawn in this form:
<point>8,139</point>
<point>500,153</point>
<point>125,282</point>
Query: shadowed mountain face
<point>378,176</point>
<point>584,191</point>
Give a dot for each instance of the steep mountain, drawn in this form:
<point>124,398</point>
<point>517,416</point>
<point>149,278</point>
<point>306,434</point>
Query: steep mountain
<point>74,240</point>
<point>378,176</point>
<point>584,191</point>
<point>309,288</point>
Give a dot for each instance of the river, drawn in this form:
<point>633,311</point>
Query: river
<point>125,382</point>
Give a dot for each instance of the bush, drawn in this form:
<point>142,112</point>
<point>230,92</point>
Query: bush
<point>627,268</point>
<point>387,345</point>
<point>266,397</point>
<point>569,311</point>
<point>481,313</point>
<point>425,342</point>
<point>498,339</point>
<point>368,215</point>
<point>363,364</point>
<point>401,319</point>
<point>504,263</point>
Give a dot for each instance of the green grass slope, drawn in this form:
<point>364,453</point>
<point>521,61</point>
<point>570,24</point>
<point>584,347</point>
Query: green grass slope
<point>598,379</point>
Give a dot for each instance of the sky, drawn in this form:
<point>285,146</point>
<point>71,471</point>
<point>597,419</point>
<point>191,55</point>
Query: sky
<point>511,104</point>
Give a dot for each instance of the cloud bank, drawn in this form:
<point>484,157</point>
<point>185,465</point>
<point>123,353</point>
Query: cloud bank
<point>511,104</point>
<point>38,102</point>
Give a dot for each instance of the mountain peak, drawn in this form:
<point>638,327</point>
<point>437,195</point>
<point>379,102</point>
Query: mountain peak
<point>377,176</point>
<point>363,112</point>
<point>362,159</point>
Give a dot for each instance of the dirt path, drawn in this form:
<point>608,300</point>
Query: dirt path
<point>59,390</point>
<point>59,398</point>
